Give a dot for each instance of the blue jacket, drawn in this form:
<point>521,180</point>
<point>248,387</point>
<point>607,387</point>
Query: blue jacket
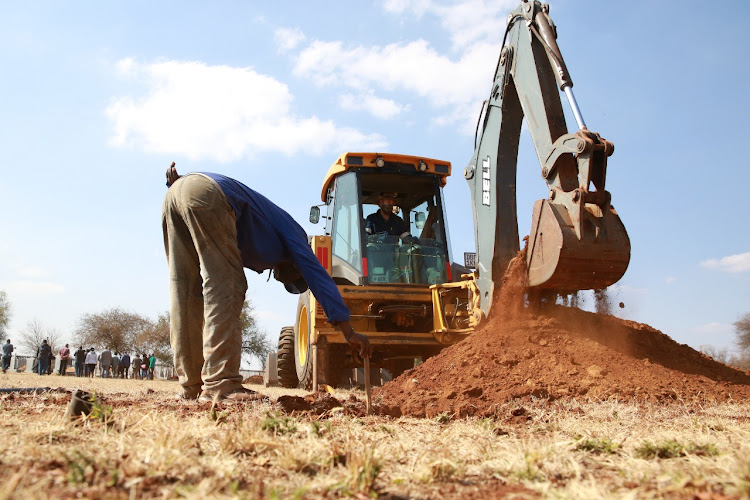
<point>267,235</point>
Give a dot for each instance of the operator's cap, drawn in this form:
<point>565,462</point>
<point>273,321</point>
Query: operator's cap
<point>387,194</point>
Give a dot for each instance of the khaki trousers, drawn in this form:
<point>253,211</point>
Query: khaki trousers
<point>206,285</point>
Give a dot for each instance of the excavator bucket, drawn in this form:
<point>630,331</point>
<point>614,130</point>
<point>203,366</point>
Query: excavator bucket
<point>569,252</point>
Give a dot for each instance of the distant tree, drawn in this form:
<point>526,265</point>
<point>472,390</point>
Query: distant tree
<point>742,332</point>
<point>33,335</point>
<point>5,312</point>
<point>742,361</point>
<point>114,329</point>
<point>254,341</point>
<point>723,355</point>
<point>155,339</point>
<point>719,354</point>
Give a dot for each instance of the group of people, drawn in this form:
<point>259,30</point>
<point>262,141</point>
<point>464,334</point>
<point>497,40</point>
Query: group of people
<point>114,365</point>
<point>85,361</point>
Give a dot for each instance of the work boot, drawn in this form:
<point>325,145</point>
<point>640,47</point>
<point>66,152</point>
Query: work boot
<point>240,395</point>
<point>189,393</point>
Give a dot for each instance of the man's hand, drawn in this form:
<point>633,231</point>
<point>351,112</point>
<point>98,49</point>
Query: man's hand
<point>358,342</point>
<point>172,175</point>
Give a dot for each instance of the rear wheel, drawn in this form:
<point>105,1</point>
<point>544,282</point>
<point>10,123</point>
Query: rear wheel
<point>286,370</point>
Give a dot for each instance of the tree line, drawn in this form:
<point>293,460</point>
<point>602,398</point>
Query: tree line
<point>124,331</point>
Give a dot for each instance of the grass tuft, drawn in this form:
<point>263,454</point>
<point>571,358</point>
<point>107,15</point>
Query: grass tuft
<point>362,469</point>
<point>674,449</point>
<point>279,425</point>
<point>320,429</point>
<point>443,418</point>
<point>601,446</point>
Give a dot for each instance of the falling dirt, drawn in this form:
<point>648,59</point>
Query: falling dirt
<point>558,352</point>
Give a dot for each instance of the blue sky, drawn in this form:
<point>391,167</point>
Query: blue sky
<point>99,97</point>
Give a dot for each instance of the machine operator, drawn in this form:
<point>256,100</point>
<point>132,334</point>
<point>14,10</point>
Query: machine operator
<point>384,220</point>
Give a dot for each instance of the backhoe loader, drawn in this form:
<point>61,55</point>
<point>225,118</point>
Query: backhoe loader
<point>403,291</point>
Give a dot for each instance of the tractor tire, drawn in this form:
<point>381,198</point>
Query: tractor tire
<point>331,357</point>
<point>286,371</point>
<point>302,347</point>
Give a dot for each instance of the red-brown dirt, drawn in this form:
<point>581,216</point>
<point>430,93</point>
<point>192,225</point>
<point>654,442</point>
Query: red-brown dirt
<point>563,353</point>
<point>558,352</point>
<point>322,404</point>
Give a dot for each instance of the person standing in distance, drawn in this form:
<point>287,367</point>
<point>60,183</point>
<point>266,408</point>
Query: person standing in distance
<point>80,361</point>
<point>64,357</point>
<point>45,356</point>
<point>7,354</point>
<point>213,227</point>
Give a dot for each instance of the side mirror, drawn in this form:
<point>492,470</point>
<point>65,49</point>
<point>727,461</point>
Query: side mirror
<point>419,219</point>
<point>314,214</point>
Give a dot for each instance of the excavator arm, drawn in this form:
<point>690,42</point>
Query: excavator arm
<point>577,240</point>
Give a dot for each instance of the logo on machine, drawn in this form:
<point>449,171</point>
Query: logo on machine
<point>486,181</point>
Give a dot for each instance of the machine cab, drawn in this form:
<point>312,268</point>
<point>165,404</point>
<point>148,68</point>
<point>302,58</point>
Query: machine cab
<point>412,249</point>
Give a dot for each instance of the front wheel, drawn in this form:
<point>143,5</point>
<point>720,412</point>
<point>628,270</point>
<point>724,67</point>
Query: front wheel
<point>331,357</point>
<point>302,347</point>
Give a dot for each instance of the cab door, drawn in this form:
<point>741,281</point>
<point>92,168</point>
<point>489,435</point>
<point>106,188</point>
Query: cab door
<point>346,230</point>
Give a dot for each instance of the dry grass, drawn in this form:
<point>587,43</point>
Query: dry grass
<point>151,445</point>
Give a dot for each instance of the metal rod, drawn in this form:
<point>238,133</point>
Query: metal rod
<point>574,106</point>
<point>368,389</point>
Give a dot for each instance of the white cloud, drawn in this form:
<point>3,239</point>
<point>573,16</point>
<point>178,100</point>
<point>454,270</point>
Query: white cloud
<point>466,21</point>
<point>219,112</point>
<point>417,7</point>
<point>32,271</point>
<point>376,106</point>
<point>714,328</point>
<point>34,287</point>
<point>670,280</point>
<point>455,86</point>
<point>288,38</point>
<point>126,67</point>
<point>738,263</point>
<point>453,83</point>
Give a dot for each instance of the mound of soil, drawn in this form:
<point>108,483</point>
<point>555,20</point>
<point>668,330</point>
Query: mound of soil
<point>558,352</point>
<point>564,352</point>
